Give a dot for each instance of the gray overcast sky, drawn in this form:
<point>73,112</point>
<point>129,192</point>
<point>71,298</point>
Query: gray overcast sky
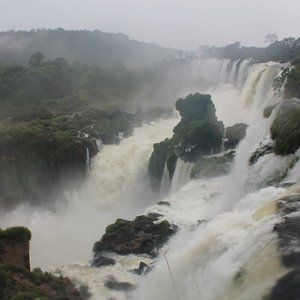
<point>177,23</point>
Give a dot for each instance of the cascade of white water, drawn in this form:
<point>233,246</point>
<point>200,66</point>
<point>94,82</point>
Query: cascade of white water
<point>87,160</point>
<point>225,248</point>
<point>165,183</point>
<point>231,255</point>
<point>243,73</point>
<point>99,144</point>
<point>121,168</point>
<point>233,72</point>
<point>213,72</point>
<point>182,175</point>
<point>116,188</point>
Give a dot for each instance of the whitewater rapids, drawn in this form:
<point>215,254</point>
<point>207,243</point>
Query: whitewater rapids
<point>225,248</point>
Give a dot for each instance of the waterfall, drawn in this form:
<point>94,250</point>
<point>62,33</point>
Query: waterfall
<point>214,72</point>
<point>110,192</point>
<point>120,170</point>
<point>225,247</point>
<point>87,160</point>
<point>165,183</point>
<point>182,175</point>
<point>233,253</point>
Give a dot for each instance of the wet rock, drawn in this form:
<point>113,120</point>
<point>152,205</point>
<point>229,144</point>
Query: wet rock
<point>199,222</point>
<point>113,284</point>
<point>265,147</point>
<point>212,166</point>
<point>286,184</point>
<point>234,135</point>
<point>100,261</point>
<point>289,204</point>
<point>14,246</point>
<point>141,236</point>
<point>289,240</point>
<point>164,203</point>
<point>287,287</point>
<point>142,269</point>
<point>268,111</point>
<point>198,133</point>
<point>285,129</point>
<point>155,216</point>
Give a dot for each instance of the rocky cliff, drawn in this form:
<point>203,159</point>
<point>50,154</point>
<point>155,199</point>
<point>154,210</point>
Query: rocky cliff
<point>17,282</point>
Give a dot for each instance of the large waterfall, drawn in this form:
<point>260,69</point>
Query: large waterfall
<point>225,247</point>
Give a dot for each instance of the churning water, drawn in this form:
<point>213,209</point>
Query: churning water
<point>225,248</point>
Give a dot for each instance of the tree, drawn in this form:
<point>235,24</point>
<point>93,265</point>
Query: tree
<point>36,59</point>
<point>271,38</point>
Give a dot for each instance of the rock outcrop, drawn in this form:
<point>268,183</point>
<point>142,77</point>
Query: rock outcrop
<point>16,279</point>
<point>234,135</point>
<point>285,128</point>
<point>198,133</point>
<point>14,246</point>
<point>212,166</point>
<point>265,147</point>
<point>141,236</point>
<point>288,231</point>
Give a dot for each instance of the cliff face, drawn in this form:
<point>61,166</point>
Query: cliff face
<point>33,165</point>
<point>16,279</point>
<point>41,159</point>
<point>14,252</point>
<point>198,133</point>
<point>14,246</point>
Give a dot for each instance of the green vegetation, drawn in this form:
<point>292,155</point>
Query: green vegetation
<point>51,112</point>
<point>88,47</point>
<point>284,50</point>
<point>57,87</point>
<point>285,131</point>
<point>198,133</point>
<point>292,87</point>
<point>18,283</point>
<point>16,233</point>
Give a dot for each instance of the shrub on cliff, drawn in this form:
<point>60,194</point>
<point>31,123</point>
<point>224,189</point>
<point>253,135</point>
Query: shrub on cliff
<point>198,133</point>
<point>292,87</point>
<point>285,131</point>
<point>18,283</point>
<point>197,138</point>
<point>195,107</point>
<point>16,233</point>
<point>33,163</point>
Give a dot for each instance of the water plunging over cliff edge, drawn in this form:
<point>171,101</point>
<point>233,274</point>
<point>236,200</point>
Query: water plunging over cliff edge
<point>225,248</point>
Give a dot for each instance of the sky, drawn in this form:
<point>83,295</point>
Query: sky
<point>183,24</point>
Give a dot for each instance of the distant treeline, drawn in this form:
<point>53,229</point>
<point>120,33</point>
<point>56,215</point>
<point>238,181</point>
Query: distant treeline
<point>57,86</point>
<point>87,47</point>
<point>61,86</point>
<point>284,50</point>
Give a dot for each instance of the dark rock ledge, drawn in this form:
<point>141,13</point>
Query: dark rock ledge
<point>141,236</point>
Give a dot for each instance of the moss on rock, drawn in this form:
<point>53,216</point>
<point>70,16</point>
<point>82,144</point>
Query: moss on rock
<point>285,131</point>
<point>18,233</point>
<point>198,133</point>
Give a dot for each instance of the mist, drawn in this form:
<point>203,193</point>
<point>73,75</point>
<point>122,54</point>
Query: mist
<point>154,130</point>
<point>178,24</point>
<point>121,190</point>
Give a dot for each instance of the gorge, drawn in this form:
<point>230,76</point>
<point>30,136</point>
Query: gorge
<point>233,229</point>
